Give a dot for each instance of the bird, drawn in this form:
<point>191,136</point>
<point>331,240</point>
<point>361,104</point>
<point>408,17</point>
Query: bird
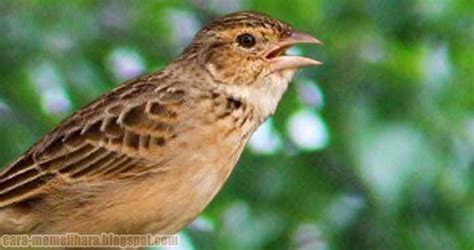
<point>149,155</point>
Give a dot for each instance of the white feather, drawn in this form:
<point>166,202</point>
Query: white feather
<point>263,95</point>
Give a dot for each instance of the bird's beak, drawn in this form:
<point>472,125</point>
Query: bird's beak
<point>279,61</point>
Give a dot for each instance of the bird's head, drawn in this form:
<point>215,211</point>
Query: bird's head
<point>244,53</point>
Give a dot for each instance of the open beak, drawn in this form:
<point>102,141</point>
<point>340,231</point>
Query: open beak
<point>279,61</point>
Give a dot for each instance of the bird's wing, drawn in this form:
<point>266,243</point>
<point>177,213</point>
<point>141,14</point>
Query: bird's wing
<point>121,134</point>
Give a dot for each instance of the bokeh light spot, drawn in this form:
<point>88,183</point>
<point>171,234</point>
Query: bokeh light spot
<point>49,85</point>
<point>265,140</point>
<point>125,63</point>
<point>308,130</point>
<point>183,25</point>
<point>310,94</point>
<point>309,237</point>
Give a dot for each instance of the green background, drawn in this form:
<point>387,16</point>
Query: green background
<point>374,149</point>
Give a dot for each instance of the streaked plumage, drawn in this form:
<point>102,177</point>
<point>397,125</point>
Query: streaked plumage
<point>148,156</point>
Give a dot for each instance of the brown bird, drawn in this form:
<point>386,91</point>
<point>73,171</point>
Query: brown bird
<point>148,156</point>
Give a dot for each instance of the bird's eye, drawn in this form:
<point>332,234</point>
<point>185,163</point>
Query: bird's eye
<point>246,40</point>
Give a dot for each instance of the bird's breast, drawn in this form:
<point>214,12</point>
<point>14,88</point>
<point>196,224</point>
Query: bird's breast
<point>205,153</point>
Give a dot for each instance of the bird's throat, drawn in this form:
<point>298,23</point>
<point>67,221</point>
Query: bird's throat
<point>263,95</point>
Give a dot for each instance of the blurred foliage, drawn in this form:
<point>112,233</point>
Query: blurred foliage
<point>396,97</point>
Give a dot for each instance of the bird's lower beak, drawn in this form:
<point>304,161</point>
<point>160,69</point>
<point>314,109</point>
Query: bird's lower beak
<point>279,61</point>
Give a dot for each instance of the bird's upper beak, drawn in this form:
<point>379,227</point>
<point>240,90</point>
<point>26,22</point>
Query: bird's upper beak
<point>279,61</point>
